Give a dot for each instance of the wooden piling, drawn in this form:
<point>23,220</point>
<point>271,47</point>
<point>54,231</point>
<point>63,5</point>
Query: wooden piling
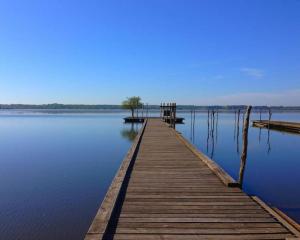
<point>238,131</point>
<point>245,146</point>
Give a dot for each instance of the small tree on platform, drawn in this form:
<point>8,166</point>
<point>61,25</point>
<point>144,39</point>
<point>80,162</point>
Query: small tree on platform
<point>132,104</point>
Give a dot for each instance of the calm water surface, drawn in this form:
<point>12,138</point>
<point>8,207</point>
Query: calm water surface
<point>273,164</point>
<point>55,170</point>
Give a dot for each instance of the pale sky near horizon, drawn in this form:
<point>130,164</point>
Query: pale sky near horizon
<point>186,51</point>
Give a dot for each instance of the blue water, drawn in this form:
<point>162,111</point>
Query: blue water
<point>55,170</point>
<point>273,166</point>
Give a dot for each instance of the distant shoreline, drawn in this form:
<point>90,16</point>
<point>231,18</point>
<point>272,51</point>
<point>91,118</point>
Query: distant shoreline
<point>78,108</point>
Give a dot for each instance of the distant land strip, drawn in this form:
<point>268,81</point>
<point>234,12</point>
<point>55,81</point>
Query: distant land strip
<point>153,107</point>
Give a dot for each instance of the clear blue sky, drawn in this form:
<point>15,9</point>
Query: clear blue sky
<point>191,52</point>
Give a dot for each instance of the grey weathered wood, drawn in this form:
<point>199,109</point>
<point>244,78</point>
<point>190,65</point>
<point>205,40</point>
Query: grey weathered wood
<point>292,127</point>
<point>245,146</point>
<point>277,216</point>
<point>101,220</point>
<point>173,191</point>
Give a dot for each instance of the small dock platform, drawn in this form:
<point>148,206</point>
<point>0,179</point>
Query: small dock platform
<point>292,127</point>
<point>178,120</point>
<point>134,119</point>
<point>166,189</point>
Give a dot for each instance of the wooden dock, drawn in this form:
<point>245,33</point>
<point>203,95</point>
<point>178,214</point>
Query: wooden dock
<point>166,189</point>
<point>292,127</point>
<point>178,120</point>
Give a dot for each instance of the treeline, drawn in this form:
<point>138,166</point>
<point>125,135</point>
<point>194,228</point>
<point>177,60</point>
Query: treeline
<point>153,107</point>
<point>57,106</point>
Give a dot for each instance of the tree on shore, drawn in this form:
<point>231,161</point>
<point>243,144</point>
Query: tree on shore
<point>132,104</point>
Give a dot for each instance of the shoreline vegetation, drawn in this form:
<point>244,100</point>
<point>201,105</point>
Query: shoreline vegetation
<point>82,107</point>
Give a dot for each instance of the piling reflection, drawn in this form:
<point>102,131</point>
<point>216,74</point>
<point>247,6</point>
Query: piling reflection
<point>241,124</point>
<point>268,130</point>
<point>268,142</point>
<point>234,131</point>
<point>131,132</point>
<point>207,139</point>
<point>238,132</point>
<point>212,132</point>
<point>193,119</point>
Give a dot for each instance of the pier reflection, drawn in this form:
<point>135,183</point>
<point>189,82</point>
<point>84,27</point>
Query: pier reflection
<point>130,133</point>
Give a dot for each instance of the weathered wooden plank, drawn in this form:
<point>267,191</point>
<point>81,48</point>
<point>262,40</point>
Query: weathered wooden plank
<point>194,215</point>
<point>277,216</point>
<point>228,180</point>
<point>103,216</point>
<point>200,225</point>
<point>147,230</point>
<point>195,219</point>
<point>197,237</point>
<point>176,192</point>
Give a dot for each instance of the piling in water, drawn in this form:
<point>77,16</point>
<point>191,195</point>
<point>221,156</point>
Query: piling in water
<point>245,146</point>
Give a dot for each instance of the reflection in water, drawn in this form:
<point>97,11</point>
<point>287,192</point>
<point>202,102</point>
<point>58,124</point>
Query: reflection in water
<point>217,121</point>
<point>131,133</point>
<point>269,144</point>
<point>261,169</point>
<point>268,130</point>
<point>207,139</point>
<point>193,118</point>
<point>212,134</point>
<point>238,131</point>
<point>234,133</point>
<point>191,126</point>
<point>212,131</point>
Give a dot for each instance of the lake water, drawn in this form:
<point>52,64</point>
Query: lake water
<point>56,168</point>
<point>273,163</point>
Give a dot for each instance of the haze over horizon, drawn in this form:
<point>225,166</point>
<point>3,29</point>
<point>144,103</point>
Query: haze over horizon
<point>191,52</point>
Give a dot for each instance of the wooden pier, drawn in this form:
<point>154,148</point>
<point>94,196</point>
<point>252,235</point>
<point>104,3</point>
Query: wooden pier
<point>167,189</point>
<point>292,127</point>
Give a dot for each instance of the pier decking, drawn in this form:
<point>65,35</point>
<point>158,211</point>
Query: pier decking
<point>292,127</point>
<point>166,189</point>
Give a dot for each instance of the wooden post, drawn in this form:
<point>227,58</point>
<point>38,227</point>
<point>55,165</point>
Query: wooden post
<point>260,115</point>
<point>194,118</point>
<point>234,133</point>
<point>174,115</point>
<point>207,140</point>
<point>269,144</point>
<point>238,131</point>
<point>270,115</point>
<point>217,122</point>
<point>212,123</point>
<point>245,146</point>
<point>243,116</point>
<point>171,115</point>
<point>212,134</point>
<point>168,109</point>
<point>160,114</point>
